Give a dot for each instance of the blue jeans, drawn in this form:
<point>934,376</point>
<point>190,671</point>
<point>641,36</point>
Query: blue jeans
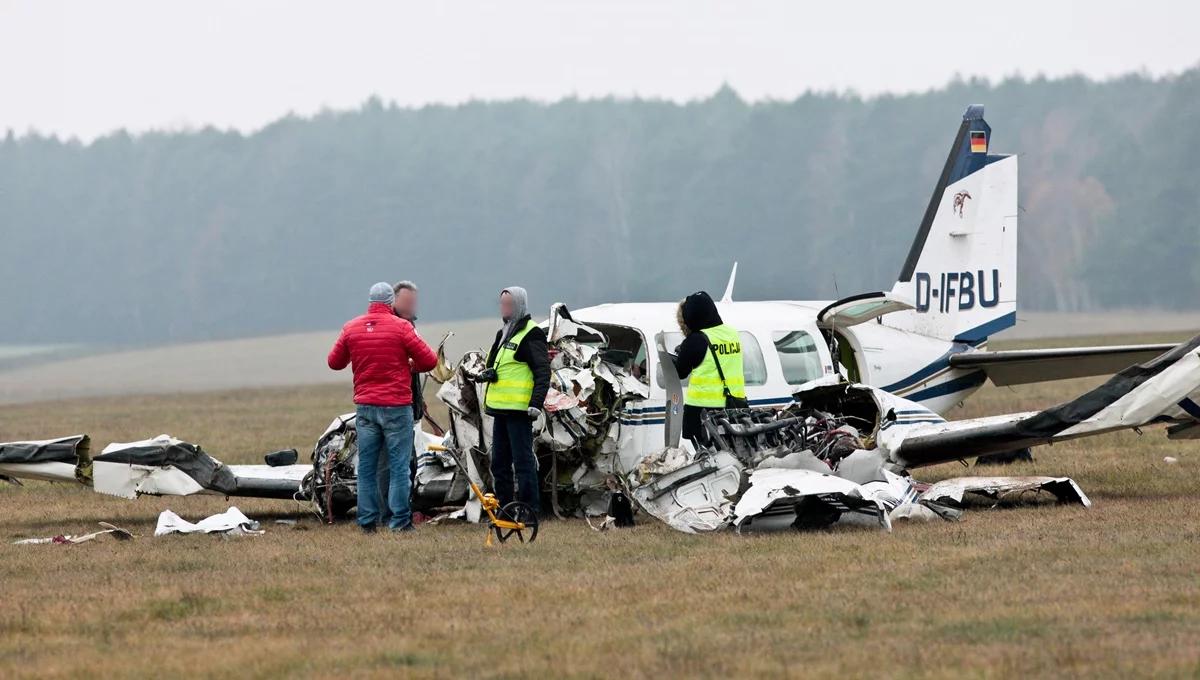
<point>380,426</point>
<point>385,476</point>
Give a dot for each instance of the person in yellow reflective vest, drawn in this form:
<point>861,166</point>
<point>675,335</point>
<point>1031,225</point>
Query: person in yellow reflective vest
<point>518,377</point>
<point>707,340</point>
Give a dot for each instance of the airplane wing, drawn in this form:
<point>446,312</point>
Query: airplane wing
<point>1022,366</point>
<point>160,466</point>
<point>67,459</point>
<point>1165,389</point>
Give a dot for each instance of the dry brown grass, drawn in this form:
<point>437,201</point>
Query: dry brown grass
<point>1048,591</point>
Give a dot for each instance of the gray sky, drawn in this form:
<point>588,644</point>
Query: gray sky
<point>86,68</point>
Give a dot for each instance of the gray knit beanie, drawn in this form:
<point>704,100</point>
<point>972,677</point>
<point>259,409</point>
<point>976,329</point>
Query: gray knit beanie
<point>382,292</point>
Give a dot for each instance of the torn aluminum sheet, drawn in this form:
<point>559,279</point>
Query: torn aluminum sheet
<point>814,464</point>
<point>691,492</point>
<point>166,466</point>
<point>443,370</point>
<point>67,459</point>
<point>69,539</point>
<point>470,425</point>
<point>560,325</point>
<point>580,433</point>
<point>160,466</point>
<point>331,482</point>
<point>803,499</point>
<point>232,520</point>
<point>1005,490</point>
<point>268,481</point>
<point>439,482</point>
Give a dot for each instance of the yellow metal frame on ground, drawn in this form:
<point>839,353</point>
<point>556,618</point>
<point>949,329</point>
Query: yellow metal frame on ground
<point>490,505</point>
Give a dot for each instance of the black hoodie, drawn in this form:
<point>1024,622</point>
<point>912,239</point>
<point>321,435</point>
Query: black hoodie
<point>699,313</point>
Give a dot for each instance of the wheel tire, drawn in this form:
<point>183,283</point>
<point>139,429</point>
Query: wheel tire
<point>517,511</point>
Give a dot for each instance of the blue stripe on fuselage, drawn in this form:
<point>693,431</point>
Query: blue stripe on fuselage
<point>1190,407</point>
<point>966,382</point>
<point>981,332</point>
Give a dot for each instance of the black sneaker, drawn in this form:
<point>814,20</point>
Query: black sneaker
<point>403,530</point>
<point>368,528</point>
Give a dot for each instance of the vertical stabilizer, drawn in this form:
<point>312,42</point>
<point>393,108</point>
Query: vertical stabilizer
<point>961,272</point>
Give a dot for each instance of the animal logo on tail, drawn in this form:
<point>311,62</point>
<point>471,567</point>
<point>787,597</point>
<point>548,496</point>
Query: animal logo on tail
<point>960,202</point>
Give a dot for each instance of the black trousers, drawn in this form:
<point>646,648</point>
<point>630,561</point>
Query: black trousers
<point>512,451</point>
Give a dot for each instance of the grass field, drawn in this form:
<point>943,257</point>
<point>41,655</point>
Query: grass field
<point>1048,591</point>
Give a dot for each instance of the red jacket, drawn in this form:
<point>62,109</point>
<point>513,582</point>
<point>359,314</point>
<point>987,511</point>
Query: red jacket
<point>378,345</point>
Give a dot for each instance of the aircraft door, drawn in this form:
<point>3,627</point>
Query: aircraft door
<point>669,380</point>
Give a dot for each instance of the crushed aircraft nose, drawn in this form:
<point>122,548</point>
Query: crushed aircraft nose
<point>577,442</point>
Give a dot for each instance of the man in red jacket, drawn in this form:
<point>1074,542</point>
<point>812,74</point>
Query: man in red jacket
<point>378,346</point>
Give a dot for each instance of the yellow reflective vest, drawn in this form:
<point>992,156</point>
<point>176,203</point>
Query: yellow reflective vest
<point>704,384</point>
<point>514,385</point>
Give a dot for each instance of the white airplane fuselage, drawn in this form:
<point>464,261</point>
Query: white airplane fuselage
<point>783,347</point>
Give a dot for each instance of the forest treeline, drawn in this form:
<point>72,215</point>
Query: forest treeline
<point>192,235</point>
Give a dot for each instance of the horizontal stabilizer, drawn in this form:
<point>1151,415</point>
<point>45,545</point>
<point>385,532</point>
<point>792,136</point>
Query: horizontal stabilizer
<point>1165,389</point>
<point>1020,367</point>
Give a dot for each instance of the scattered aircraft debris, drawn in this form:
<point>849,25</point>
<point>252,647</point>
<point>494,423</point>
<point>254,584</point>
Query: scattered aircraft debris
<point>232,521</point>
<point>69,539</point>
<point>839,453</point>
<point>1001,490</point>
<point>168,466</point>
<point>579,436</point>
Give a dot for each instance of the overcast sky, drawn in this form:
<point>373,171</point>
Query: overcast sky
<point>86,68</point>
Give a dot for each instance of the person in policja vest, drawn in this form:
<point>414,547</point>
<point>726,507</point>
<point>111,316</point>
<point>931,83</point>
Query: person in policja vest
<point>710,358</point>
<point>518,378</point>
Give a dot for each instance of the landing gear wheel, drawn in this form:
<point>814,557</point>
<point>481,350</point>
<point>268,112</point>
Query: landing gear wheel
<point>517,511</point>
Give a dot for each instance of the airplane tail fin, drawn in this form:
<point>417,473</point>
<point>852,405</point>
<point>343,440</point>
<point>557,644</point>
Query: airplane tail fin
<point>961,272</point>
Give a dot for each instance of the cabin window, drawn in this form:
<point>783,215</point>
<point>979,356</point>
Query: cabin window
<point>754,366</point>
<point>798,356</point>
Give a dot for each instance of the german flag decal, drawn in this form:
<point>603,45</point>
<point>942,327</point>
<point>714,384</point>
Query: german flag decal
<point>978,141</point>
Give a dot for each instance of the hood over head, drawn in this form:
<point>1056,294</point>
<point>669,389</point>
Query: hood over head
<point>520,300</point>
<point>697,312</point>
